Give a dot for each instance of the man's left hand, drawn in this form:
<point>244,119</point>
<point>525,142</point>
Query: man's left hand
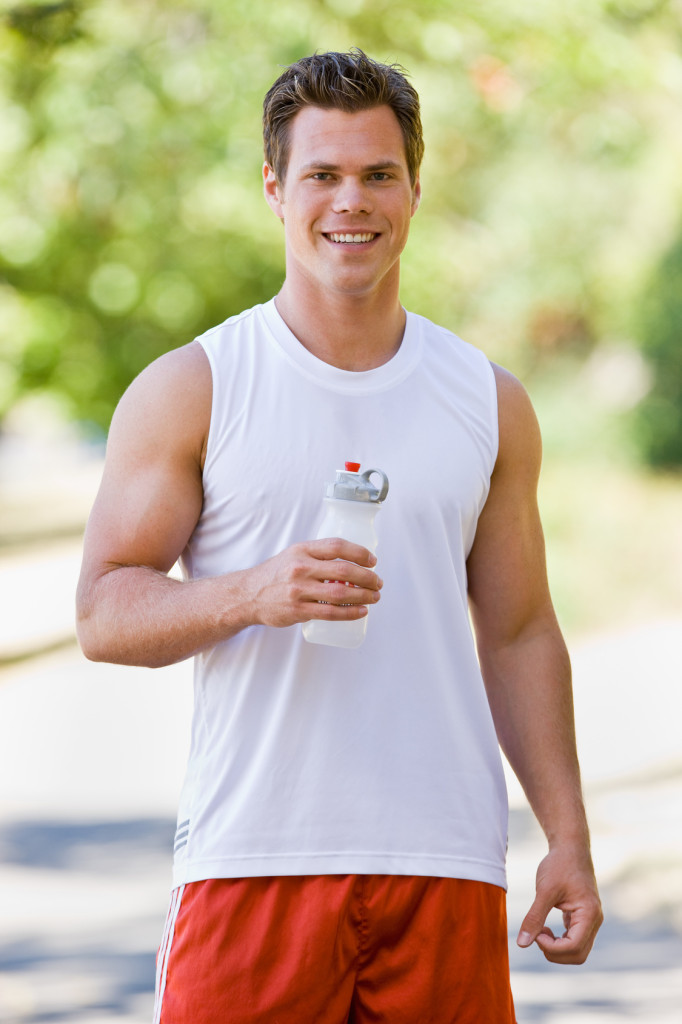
<point>565,880</point>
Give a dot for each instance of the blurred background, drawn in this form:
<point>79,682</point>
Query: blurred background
<point>550,235</point>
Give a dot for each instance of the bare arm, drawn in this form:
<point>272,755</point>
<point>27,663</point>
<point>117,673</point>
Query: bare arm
<point>128,610</point>
<point>527,674</point>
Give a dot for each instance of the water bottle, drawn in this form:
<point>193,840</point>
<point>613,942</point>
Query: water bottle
<point>350,506</point>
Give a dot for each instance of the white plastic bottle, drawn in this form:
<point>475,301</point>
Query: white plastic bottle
<point>351,504</point>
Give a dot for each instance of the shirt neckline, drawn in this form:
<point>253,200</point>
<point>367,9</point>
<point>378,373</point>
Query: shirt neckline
<point>333,377</point>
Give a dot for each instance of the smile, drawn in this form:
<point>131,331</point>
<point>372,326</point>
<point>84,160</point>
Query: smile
<point>352,239</point>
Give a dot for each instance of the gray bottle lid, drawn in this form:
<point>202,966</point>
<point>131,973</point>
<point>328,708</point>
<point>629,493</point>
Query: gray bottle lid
<point>352,485</point>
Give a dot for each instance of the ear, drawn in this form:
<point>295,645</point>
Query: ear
<point>416,196</point>
<point>272,191</point>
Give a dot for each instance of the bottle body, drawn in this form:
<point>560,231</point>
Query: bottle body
<point>354,521</point>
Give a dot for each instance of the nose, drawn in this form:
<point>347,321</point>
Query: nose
<point>352,196</point>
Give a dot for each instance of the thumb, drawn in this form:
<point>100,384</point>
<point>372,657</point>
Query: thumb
<point>534,921</point>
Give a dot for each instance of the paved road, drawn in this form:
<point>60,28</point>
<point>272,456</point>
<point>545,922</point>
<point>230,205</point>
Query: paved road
<point>91,760</point>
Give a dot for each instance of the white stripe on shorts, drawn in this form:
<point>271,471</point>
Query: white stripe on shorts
<point>165,949</point>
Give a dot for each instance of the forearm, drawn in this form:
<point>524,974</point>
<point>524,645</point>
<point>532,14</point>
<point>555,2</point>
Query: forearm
<point>528,682</point>
<point>134,615</point>
<point>529,688</point>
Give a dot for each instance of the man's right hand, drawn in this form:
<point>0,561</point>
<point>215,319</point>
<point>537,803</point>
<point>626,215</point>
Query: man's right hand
<point>328,579</point>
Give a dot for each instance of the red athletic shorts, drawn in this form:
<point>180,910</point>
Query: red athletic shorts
<point>335,949</point>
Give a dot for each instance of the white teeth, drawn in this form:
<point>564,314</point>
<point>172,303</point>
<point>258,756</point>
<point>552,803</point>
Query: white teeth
<point>352,238</point>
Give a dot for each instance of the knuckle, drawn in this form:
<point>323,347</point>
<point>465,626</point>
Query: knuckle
<point>339,574</point>
<point>298,568</point>
<point>341,592</point>
<point>293,593</point>
<point>333,547</point>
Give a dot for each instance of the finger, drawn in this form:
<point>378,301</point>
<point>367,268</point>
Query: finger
<point>562,950</point>
<point>343,595</point>
<point>337,547</point>
<point>335,612</point>
<point>574,945</point>
<point>350,574</point>
<point>534,921</point>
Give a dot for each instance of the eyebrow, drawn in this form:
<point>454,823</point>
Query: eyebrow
<point>383,165</point>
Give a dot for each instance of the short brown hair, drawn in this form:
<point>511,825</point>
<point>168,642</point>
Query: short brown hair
<point>344,81</point>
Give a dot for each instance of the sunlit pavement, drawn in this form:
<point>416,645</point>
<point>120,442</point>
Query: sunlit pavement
<point>91,761</point>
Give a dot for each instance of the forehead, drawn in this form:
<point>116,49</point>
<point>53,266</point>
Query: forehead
<point>319,134</point>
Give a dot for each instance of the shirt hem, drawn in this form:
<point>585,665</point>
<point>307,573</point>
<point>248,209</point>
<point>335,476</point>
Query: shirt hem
<point>340,864</point>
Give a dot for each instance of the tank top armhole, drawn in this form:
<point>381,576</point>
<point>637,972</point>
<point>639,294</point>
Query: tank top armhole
<point>494,416</point>
<point>215,404</point>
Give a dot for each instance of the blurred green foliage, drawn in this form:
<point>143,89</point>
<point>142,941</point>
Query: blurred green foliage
<point>130,152</point>
<point>659,418</point>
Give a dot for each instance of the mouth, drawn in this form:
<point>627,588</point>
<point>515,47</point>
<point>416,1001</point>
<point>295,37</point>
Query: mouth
<point>359,238</point>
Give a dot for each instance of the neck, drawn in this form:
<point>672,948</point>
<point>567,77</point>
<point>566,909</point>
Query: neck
<point>351,332</point>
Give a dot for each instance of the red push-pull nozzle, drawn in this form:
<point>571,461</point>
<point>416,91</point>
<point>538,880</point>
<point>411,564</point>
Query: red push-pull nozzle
<point>352,467</point>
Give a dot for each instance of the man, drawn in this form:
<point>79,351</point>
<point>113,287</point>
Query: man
<point>342,830</point>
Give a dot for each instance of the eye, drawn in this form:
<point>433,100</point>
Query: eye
<point>379,176</point>
<point>321,176</point>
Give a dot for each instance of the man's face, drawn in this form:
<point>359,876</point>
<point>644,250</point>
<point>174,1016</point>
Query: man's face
<point>347,199</point>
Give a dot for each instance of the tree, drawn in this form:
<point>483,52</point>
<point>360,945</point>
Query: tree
<point>130,161</point>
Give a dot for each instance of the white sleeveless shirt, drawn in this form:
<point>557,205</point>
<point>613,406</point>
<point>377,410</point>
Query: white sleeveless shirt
<point>382,759</point>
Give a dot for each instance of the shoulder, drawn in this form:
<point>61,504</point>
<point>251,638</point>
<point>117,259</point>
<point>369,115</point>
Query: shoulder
<point>520,443</point>
<point>511,393</point>
<point>168,404</point>
<point>176,383</point>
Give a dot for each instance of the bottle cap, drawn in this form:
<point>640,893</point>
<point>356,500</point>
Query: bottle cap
<point>352,485</point>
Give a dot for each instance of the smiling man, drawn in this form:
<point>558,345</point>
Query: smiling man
<point>341,840</point>
<point>346,211</point>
